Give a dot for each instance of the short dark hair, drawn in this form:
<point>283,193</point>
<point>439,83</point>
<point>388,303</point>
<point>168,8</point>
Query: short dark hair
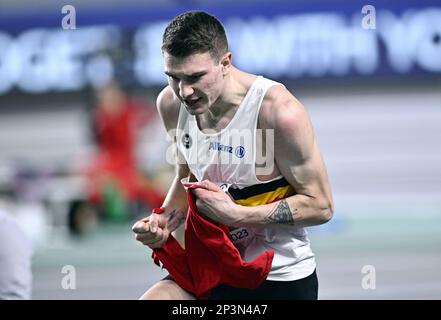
<point>195,32</point>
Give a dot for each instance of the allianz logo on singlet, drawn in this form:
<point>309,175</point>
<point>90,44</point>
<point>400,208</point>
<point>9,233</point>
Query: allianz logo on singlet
<point>217,146</point>
<point>231,147</point>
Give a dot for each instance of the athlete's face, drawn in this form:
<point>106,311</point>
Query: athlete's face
<point>197,80</point>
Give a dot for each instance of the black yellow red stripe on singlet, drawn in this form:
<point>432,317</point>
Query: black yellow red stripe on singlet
<point>262,193</point>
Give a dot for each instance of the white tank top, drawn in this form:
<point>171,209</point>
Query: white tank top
<point>228,158</point>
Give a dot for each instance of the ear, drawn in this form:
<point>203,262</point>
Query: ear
<point>226,63</point>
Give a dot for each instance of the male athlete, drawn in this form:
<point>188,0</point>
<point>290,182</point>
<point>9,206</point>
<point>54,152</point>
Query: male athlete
<point>207,104</point>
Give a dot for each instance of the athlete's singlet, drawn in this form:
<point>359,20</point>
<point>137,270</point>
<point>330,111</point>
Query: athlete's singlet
<point>228,158</point>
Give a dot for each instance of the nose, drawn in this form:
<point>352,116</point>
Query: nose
<point>185,90</point>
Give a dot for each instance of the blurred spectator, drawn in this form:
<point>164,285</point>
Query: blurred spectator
<point>116,184</point>
<point>15,261</point>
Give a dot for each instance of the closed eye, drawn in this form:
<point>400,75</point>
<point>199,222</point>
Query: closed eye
<point>190,78</point>
<point>194,78</point>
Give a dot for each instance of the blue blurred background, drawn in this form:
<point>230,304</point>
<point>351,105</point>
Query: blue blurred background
<point>372,89</point>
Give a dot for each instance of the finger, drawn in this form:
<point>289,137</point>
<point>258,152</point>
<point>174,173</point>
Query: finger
<point>199,192</point>
<point>153,226</point>
<point>151,239</point>
<point>197,185</point>
<point>147,238</point>
<point>141,227</point>
<point>207,184</point>
<point>160,242</point>
<point>135,226</point>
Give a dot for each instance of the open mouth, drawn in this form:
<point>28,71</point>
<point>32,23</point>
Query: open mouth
<point>191,102</point>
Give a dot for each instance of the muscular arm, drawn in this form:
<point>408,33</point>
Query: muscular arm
<point>298,157</point>
<point>175,203</point>
<point>156,230</point>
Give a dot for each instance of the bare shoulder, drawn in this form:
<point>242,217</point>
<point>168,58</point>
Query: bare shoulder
<point>283,112</point>
<point>168,107</point>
